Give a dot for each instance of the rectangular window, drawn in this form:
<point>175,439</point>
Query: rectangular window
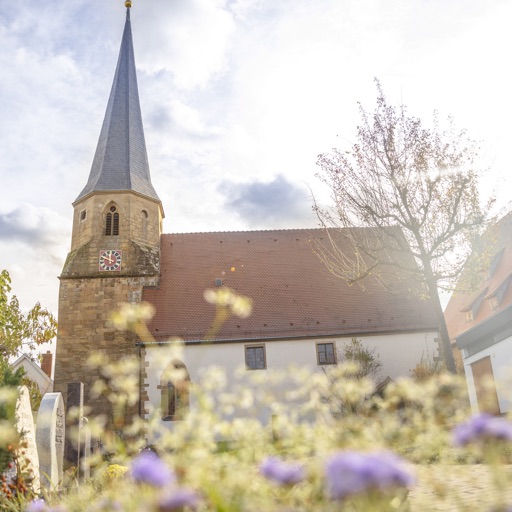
<point>108,225</point>
<point>115,227</point>
<point>494,263</point>
<point>325,353</point>
<point>255,357</point>
<point>497,296</point>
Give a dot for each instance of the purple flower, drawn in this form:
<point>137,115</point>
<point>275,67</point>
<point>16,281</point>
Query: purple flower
<point>353,472</point>
<point>482,427</point>
<point>282,472</point>
<point>38,505</point>
<point>149,468</point>
<point>178,500</point>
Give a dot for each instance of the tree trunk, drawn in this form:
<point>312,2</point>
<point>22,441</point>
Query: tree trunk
<point>446,346</point>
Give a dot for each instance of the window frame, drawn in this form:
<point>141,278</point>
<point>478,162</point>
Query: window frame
<point>112,221</point>
<point>495,261</point>
<point>255,346</point>
<point>173,406</point>
<point>323,343</point>
<point>496,298</point>
<point>144,224</point>
<point>472,310</point>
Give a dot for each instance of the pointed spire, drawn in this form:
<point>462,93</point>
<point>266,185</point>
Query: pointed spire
<point>121,161</point>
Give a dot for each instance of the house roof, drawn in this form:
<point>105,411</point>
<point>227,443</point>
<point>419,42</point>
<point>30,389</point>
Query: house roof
<point>25,361</point>
<point>494,292</point>
<point>293,293</point>
<point>120,161</point>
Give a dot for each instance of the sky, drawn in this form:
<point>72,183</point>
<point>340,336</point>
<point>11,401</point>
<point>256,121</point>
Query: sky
<point>238,99</point>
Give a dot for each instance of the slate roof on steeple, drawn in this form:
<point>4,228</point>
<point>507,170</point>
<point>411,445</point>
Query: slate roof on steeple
<point>121,161</point>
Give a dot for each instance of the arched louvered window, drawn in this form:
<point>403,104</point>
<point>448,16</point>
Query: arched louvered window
<point>112,222</point>
<point>174,386</point>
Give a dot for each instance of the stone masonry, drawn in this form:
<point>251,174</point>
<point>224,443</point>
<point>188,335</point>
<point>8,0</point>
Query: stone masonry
<point>88,296</point>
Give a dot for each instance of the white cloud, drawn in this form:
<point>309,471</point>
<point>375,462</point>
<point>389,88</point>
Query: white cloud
<point>38,227</point>
<point>236,91</point>
<point>34,242</point>
<point>188,39</point>
<point>277,204</point>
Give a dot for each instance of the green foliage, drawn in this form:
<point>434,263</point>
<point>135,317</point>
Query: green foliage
<point>10,377</point>
<point>217,449</point>
<point>367,361</point>
<point>219,458</point>
<point>218,455</point>
<point>9,438</point>
<point>34,393</point>
<point>352,381</point>
<point>18,331</point>
<point>426,369</point>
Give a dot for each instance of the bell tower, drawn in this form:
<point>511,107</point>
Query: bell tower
<point>115,245</point>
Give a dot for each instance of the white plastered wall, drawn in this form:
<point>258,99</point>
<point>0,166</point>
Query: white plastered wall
<point>500,356</point>
<point>398,353</point>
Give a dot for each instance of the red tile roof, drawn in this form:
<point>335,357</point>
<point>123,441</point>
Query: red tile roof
<point>293,293</point>
<point>498,240</point>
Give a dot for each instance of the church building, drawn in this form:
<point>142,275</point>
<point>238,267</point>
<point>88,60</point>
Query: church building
<point>301,313</point>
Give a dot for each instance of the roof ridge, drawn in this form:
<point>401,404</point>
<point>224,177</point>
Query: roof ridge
<point>283,230</point>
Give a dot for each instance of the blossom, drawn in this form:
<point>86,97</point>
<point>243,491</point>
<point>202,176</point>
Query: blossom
<point>482,427</point>
<point>353,472</point>
<point>131,314</point>
<point>115,471</point>
<point>178,500</point>
<point>239,305</point>
<point>148,468</point>
<point>38,505</point>
<point>282,472</point>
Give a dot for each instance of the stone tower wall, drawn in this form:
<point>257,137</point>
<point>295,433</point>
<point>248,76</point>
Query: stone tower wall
<point>89,221</point>
<point>85,308</point>
<point>88,296</point>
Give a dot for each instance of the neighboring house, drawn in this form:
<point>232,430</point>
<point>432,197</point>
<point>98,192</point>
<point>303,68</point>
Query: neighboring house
<point>480,325</point>
<point>301,312</point>
<point>35,373</point>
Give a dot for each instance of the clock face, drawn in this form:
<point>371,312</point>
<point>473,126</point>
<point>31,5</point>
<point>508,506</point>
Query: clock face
<point>110,259</point>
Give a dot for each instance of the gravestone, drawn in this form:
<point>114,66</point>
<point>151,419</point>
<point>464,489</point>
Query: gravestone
<point>28,459</point>
<point>75,408</point>
<point>50,438</point>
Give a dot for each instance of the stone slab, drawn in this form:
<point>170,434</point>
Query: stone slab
<point>28,459</point>
<point>50,437</point>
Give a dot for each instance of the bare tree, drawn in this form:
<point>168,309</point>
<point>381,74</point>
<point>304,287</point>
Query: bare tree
<point>417,188</point>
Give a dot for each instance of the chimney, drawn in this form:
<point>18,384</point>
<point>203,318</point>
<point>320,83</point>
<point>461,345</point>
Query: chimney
<point>46,363</point>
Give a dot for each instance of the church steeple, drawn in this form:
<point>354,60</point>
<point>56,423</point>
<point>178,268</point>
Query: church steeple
<point>120,162</point>
<point>115,242</point>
